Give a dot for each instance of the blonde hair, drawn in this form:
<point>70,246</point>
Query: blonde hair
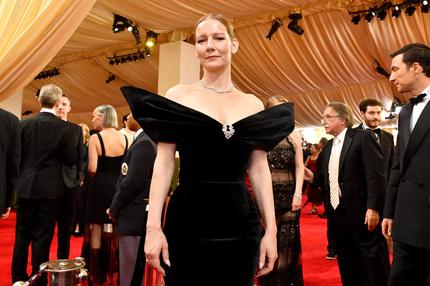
<point>87,129</point>
<point>220,18</point>
<point>275,100</point>
<point>110,118</point>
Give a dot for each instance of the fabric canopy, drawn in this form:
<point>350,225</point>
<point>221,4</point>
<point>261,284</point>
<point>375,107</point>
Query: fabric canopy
<point>334,60</point>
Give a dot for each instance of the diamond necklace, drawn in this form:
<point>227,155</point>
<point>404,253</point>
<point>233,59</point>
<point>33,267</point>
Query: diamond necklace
<point>217,90</point>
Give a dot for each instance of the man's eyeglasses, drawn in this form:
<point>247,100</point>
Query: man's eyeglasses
<point>328,118</point>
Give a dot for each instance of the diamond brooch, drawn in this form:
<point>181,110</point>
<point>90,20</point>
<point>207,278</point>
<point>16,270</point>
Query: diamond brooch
<point>228,130</point>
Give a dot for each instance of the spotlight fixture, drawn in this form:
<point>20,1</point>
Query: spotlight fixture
<point>379,69</point>
<point>396,11</point>
<point>133,57</point>
<point>110,78</point>
<point>381,12</point>
<point>425,6</point>
<point>356,19</point>
<point>369,16</point>
<point>410,10</point>
<point>136,35</point>
<point>120,24</point>
<point>294,25</point>
<point>48,73</point>
<point>151,39</point>
<point>276,24</point>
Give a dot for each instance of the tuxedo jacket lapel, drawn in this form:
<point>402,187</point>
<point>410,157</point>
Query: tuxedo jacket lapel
<point>405,123</point>
<point>418,133</point>
<point>326,159</point>
<point>346,144</point>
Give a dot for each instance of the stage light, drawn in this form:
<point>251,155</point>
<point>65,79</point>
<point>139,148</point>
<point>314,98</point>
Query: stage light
<point>110,78</point>
<point>276,24</point>
<point>396,12</point>
<point>379,69</point>
<point>425,7</point>
<point>381,15</point>
<point>151,39</point>
<point>410,10</point>
<point>147,52</point>
<point>356,19</point>
<point>120,24</point>
<point>369,16</point>
<point>133,57</point>
<point>294,25</point>
<point>48,73</point>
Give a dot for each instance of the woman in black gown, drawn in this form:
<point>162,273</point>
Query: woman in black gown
<point>212,233</point>
<point>286,164</point>
<point>106,151</point>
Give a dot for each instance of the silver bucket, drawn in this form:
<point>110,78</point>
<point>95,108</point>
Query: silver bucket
<point>65,272</point>
<point>62,272</point>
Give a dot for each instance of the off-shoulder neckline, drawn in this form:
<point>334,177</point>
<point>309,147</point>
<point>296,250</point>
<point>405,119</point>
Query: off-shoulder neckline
<point>210,117</point>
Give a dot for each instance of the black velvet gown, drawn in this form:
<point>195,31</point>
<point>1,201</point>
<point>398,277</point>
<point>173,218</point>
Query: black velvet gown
<point>212,224</point>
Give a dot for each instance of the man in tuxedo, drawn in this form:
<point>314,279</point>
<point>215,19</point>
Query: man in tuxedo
<point>72,177</point>
<point>10,152</point>
<point>407,206</point>
<point>45,147</point>
<point>129,205</point>
<point>351,172</point>
<point>370,110</point>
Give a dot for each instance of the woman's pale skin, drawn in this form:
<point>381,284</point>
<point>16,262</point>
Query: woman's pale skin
<point>300,170</point>
<point>110,136</point>
<point>214,49</point>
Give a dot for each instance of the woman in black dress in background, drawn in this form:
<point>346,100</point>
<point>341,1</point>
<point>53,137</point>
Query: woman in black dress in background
<point>286,164</point>
<point>106,151</point>
<point>212,233</point>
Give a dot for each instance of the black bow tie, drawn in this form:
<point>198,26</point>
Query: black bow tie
<point>376,130</point>
<point>419,98</point>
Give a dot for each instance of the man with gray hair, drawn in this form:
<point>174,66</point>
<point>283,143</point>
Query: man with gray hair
<point>352,175</point>
<point>45,146</point>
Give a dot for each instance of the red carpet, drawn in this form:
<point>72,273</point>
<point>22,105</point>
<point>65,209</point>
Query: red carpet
<point>317,270</point>
<point>7,239</point>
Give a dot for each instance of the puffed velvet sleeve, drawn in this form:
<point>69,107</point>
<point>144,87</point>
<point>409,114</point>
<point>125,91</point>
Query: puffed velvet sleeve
<point>162,119</point>
<point>267,128</point>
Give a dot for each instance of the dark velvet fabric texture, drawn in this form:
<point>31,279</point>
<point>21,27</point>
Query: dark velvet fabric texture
<point>212,224</point>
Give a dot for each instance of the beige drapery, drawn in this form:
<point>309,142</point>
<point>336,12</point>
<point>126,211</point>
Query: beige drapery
<point>31,33</point>
<point>333,60</point>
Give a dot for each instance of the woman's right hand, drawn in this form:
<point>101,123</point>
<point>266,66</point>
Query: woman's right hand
<point>156,244</point>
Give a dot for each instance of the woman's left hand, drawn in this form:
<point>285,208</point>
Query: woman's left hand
<point>297,203</point>
<point>268,253</point>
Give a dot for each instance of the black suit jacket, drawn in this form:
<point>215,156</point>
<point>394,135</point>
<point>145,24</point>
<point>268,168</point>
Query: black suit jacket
<point>361,178</point>
<point>132,188</point>
<point>10,152</point>
<point>386,142</point>
<point>408,197</point>
<point>45,146</point>
<point>72,175</point>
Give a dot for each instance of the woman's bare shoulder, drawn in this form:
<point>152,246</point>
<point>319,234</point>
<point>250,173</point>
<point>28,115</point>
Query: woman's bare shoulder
<point>179,92</point>
<point>253,102</point>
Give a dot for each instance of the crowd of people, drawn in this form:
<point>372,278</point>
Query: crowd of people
<point>111,186</point>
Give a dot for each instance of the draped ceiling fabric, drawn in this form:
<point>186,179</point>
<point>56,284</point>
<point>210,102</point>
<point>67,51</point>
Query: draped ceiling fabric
<point>332,61</point>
